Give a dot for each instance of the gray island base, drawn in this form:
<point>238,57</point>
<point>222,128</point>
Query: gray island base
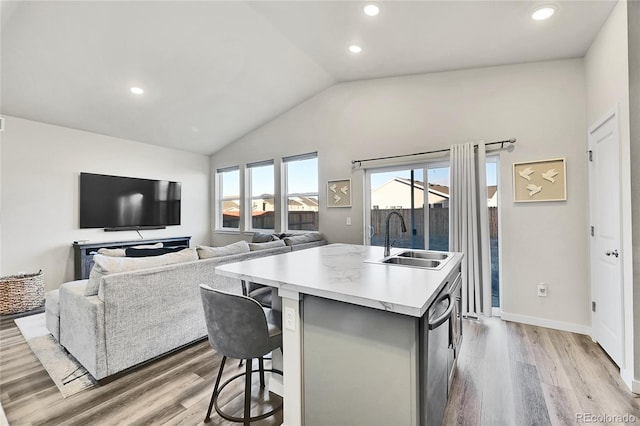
<point>357,344</point>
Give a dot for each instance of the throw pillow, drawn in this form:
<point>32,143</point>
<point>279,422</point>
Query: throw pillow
<point>259,237</point>
<point>304,238</point>
<point>267,245</point>
<point>117,252</point>
<point>149,246</point>
<point>205,252</point>
<point>284,235</point>
<point>144,252</point>
<point>105,265</point>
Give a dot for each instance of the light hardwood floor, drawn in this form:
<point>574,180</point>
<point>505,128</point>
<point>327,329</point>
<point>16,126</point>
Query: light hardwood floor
<point>508,374</point>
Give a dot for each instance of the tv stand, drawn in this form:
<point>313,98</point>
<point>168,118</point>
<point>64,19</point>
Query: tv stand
<point>83,251</point>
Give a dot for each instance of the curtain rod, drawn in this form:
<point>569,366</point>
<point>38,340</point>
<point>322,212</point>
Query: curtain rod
<point>513,140</point>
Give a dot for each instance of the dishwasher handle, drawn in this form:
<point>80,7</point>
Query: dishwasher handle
<point>442,318</point>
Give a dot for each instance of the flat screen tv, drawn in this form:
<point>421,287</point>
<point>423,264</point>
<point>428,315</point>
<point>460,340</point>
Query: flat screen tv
<point>115,202</point>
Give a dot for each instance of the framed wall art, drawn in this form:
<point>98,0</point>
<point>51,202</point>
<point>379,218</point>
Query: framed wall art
<point>542,180</point>
<point>339,193</point>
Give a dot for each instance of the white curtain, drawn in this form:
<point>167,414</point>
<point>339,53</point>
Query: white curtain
<point>469,225</point>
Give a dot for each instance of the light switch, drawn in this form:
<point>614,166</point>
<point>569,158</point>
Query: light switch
<point>348,220</point>
<point>290,319</point>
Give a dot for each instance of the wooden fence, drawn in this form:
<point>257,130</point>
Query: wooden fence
<point>303,220</point>
<point>438,221</point>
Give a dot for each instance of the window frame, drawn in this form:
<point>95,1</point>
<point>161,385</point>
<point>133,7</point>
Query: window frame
<point>285,195</point>
<point>220,198</point>
<point>248,225</point>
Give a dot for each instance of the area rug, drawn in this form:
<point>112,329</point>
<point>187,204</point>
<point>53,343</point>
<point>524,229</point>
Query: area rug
<point>69,376</point>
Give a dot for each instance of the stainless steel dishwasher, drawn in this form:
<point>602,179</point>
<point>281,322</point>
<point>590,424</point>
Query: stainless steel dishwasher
<point>435,336</point>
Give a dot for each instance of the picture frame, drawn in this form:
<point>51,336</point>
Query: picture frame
<point>541,180</point>
<point>339,193</point>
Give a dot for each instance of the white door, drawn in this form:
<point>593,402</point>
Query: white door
<point>606,259</point>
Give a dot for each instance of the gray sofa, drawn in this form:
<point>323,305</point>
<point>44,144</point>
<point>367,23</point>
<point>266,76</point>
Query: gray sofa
<point>141,314</point>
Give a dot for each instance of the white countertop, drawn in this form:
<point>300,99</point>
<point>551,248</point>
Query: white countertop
<point>341,272</point>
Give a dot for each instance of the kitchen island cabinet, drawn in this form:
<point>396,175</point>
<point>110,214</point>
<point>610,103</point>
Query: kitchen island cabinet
<point>355,332</point>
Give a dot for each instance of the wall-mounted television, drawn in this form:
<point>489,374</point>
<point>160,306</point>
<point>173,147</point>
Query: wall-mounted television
<point>119,203</point>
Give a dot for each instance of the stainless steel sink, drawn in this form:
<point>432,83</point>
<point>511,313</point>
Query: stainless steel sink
<point>410,261</point>
<point>436,255</point>
<point>424,259</point>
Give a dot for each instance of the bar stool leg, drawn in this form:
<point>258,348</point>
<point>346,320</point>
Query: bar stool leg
<point>215,389</point>
<point>261,364</point>
<point>247,394</point>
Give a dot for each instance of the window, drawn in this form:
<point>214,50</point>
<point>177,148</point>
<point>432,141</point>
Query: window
<point>261,198</point>
<point>301,192</point>
<point>494,240</point>
<point>228,184</point>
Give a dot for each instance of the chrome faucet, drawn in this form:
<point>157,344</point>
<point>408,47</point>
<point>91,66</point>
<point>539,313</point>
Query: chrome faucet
<point>387,244</point>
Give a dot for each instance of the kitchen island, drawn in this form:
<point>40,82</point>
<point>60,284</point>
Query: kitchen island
<point>354,332</point>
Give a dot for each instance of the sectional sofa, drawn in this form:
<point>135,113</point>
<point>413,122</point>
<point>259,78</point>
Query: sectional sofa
<point>133,309</point>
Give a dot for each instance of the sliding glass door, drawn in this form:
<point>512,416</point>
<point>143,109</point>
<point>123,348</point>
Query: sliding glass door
<point>494,221</point>
<point>438,202</point>
<point>400,190</point>
<point>403,189</point>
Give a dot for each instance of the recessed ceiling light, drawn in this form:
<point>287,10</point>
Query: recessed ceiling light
<point>136,91</point>
<point>371,8</point>
<point>543,12</point>
<point>355,48</point>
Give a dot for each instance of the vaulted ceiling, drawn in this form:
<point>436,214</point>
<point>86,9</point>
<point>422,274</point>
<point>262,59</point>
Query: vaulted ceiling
<point>213,71</point>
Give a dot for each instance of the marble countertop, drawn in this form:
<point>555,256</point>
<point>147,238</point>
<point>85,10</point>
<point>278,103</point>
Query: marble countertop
<point>345,273</point>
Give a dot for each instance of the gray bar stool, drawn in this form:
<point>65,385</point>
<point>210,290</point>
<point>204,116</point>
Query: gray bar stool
<point>240,328</point>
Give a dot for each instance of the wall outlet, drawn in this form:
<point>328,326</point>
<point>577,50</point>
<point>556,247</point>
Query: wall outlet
<point>290,319</point>
<point>542,290</point>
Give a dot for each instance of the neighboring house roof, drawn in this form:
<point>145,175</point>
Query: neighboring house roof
<point>303,201</point>
<point>491,190</point>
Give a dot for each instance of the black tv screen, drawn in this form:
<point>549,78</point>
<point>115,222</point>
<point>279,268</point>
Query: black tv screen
<point>124,202</point>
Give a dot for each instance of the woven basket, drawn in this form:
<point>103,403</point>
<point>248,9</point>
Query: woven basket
<point>21,293</point>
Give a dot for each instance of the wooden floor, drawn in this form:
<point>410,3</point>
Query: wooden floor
<point>516,374</point>
<point>508,374</point>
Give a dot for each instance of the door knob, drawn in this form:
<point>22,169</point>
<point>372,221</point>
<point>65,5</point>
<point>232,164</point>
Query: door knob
<point>612,253</point>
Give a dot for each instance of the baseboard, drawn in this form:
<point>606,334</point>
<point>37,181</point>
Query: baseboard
<point>543,322</point>
<point>632,384</point>
<point>3,417</point>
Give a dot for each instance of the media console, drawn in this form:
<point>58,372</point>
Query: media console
<point>84,250</point>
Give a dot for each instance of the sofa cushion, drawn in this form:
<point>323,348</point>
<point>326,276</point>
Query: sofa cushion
<point>144,252</point>
<point>205,252</point>
<point>304,238</point>
<point>266,245</point>
<point>105,265</point>
<point>259,237</point>
<point>52,301</point>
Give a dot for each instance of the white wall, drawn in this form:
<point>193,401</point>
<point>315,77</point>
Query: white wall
<point>41,165</point>
<point>607,79</point>
<point>540,104</point>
